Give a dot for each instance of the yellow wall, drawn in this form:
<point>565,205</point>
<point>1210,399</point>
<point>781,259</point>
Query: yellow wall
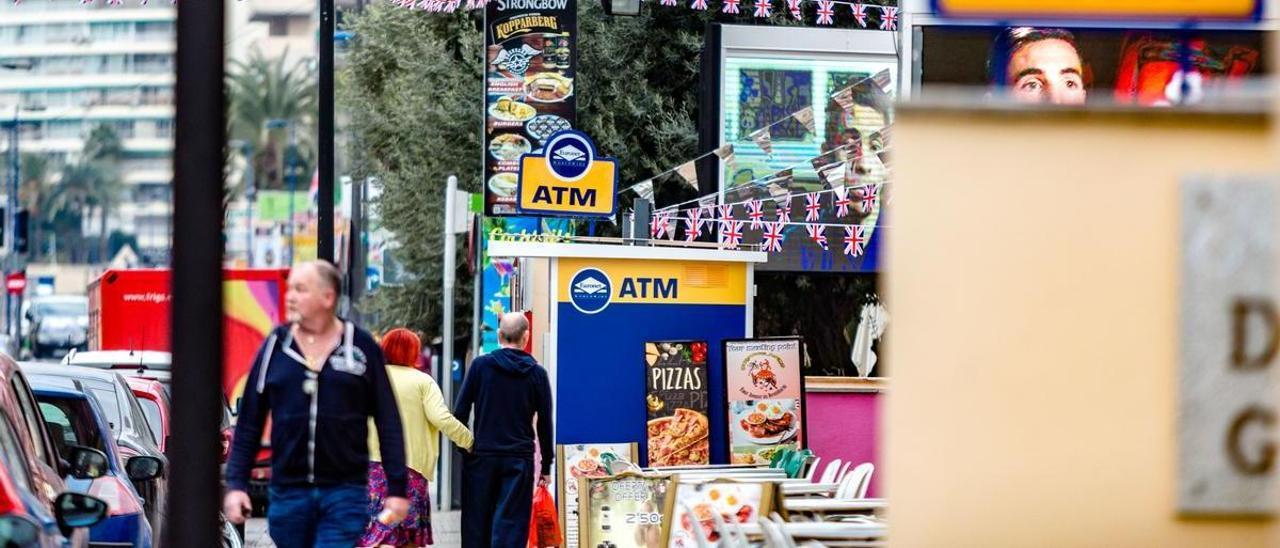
<point>1033,272</point>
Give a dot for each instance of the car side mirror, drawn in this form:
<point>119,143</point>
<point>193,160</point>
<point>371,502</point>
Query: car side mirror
<point>76,510</point>
<point>144,468</point>
<point>87,463</point>
<point>17,530</point>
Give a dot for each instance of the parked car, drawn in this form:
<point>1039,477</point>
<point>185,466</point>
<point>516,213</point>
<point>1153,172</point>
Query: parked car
<point>56,324</point>
<point>74,415</point>
<point>35,509</point>
<point>154,399</point>
<point>128,424</point>
<point>150,364</point>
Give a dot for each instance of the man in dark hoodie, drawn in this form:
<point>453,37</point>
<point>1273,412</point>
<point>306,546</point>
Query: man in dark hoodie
<point>508,389</point>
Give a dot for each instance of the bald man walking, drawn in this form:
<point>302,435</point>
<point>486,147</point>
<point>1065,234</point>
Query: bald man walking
<point>508,389</point>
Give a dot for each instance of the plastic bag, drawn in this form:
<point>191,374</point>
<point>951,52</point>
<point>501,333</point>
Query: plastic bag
<point>544,525</point>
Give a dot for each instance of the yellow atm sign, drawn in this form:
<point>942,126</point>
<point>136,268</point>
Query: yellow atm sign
<point>568,179</point>
<point>1237,10</point>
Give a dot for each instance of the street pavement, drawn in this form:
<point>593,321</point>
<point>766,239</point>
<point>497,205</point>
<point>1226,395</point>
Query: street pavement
<point>446,526</point>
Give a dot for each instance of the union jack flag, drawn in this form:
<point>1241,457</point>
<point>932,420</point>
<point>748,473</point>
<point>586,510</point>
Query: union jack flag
<point>726,216</point>
<point>784,212</point>
<point>731,235</point>
<point>855,240</point>
<point>794,6</point>
<point>860,14</point>
<point>818,234</point>
<point>773,237</point>
<point>764,8</point>
<point>690,229</point>
<point>888,18</point>
<point>812,204</point>
<point>842,201</point>
<point>668,2</point>
<point>661,225</point>
<point>700,5</point>
<point>730,6</point>
<point>115,2</point>
<point>693,218</point>
<point>755,212</point>
<point>826,13</point>
<point>869,197</point>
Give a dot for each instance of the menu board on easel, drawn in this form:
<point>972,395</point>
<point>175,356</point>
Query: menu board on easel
<point>735,502</point>
<point>764,392</point>
<point>626,510</point>
<point>676,394</point>
<point>585,460</point>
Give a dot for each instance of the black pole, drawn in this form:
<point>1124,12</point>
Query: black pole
<point>195,498</point>
<point>324,240</point>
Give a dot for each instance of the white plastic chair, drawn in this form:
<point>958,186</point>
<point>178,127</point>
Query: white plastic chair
<point>847,487</point>
<point>829,475</point>
<point>813,469</point>
<point>843,470</point>
<point>730,535</point>
<point>699,536</point>
<point>863,474</point>
<point>773,535</point>
<point>781,525</point>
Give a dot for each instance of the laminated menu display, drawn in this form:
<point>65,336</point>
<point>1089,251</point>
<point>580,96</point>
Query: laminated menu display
<point>529,88</point>
<point>764,391</point>
<point>586,460</point>
<point>696,505</point>
<point>676,392</point>
<point>625,511</point>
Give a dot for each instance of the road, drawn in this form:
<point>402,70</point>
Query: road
<point>446,527</point>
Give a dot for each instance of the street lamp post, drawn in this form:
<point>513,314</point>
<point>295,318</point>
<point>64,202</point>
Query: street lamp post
<point>250,195</point>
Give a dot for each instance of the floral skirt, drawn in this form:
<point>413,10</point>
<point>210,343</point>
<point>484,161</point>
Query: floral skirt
<point>415,530</point>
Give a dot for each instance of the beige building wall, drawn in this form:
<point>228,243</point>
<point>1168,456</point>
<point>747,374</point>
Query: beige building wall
<point>1033,278</point>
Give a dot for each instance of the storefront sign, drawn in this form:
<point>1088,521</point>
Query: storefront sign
<point>764,390</point>
<point>676,400</point>
<point>568,178</point>
<point>1230,336</point>
<point>1240,10</point>
<point>586,460</point>
<point>529,84</point>
<point>626,510</point>
<point>735,502</point>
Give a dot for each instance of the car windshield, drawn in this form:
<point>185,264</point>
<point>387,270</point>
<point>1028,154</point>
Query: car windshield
<point>71,422</point>
<point>107,399</point>
<point>62,309</point>
<point>152,410</point>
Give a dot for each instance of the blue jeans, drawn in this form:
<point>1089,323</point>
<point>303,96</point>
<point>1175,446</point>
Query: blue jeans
<point>329,516</point>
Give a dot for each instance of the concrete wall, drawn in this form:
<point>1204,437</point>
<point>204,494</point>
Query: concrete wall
<point>1033,278</point>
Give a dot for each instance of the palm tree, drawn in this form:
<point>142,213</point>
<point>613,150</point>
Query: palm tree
<point>91,184</point>
<point>32,191</point>
<point>266,90</point>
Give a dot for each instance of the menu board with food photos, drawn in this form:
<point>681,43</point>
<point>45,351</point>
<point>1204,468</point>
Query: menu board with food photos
<point>586,460</point>
<point>764,392</point>
<point>529,87</point>
<point>625,511</point>
<point>676,394</point>
<point>735,502</point>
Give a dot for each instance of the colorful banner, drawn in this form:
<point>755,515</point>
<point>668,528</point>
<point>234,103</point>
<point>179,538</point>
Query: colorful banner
<point>585,460</point>
<point>625,511</point>
<point>764,389</point>
<point>735,502</point>
<point>529,83</point>
<point>676,399</point>
<point>1145,10</point>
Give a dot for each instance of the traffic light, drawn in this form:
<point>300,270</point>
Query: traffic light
<point>21,231</point>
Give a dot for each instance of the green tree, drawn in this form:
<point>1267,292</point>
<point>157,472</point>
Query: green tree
<point>412,87</point>
<point>35,186</point>
<point>263,91</point>
<point>92,184</point>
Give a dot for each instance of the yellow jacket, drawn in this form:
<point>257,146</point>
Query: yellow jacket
<point>423,414</point>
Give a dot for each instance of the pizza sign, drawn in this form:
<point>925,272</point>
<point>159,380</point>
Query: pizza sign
<point>676,402</point>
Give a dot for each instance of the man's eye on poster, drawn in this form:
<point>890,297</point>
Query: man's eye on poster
<point>1061,66</point>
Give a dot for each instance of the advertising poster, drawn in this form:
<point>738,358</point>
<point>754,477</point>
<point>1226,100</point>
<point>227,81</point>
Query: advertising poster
<point>625,511</point>
<point>529,87</point>
<point>1077,66</point>
<point>764,389</point>
<point>676,400</point>
<point>735,502</point>
<point>584,460</point>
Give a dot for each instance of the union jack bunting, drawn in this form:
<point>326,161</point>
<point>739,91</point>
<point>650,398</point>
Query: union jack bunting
<point>888,18</point>
<point>860,15</point>
<point>730,6</point>
<point>764,8</point>
<point>869,197</point>
<point>794,7</point>
<point>664,226</point>
<point>812,204</point>
<point>817,233</point>
<point>826,13</point>
<point>755,212</point>
<point>842,201</point>
<point>762,137</point>
<point>773,237</point>
<point>693,217</point>
<point>855,241</point>
<point>669,2</point>
<point>784,211</point>
<point>726,216</point>
<point>691,228</point>
<point>700,5</point>
<point>731,236</point>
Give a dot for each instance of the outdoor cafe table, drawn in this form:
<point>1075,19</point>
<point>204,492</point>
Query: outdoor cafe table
<point>829,506</point>
<point>796,488</point>
<point>823,530</point>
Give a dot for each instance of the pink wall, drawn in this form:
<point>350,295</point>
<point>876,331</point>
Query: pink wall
<point>845,426</point>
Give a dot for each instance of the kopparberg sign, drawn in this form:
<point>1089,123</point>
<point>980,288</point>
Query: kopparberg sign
<point>568,178</point>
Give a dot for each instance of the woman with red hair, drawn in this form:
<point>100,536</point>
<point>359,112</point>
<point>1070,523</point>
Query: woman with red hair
<point>423,414</point>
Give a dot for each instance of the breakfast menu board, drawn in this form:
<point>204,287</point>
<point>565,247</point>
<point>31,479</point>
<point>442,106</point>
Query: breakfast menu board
<point>625,511</point>
<point>764,391</point>
<point>585,460</point>
<point>734,502</point>
<point>676,399</point>
<point>529,88</point>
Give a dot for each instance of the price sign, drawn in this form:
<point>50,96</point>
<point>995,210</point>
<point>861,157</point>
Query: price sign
<point>626,510</point>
